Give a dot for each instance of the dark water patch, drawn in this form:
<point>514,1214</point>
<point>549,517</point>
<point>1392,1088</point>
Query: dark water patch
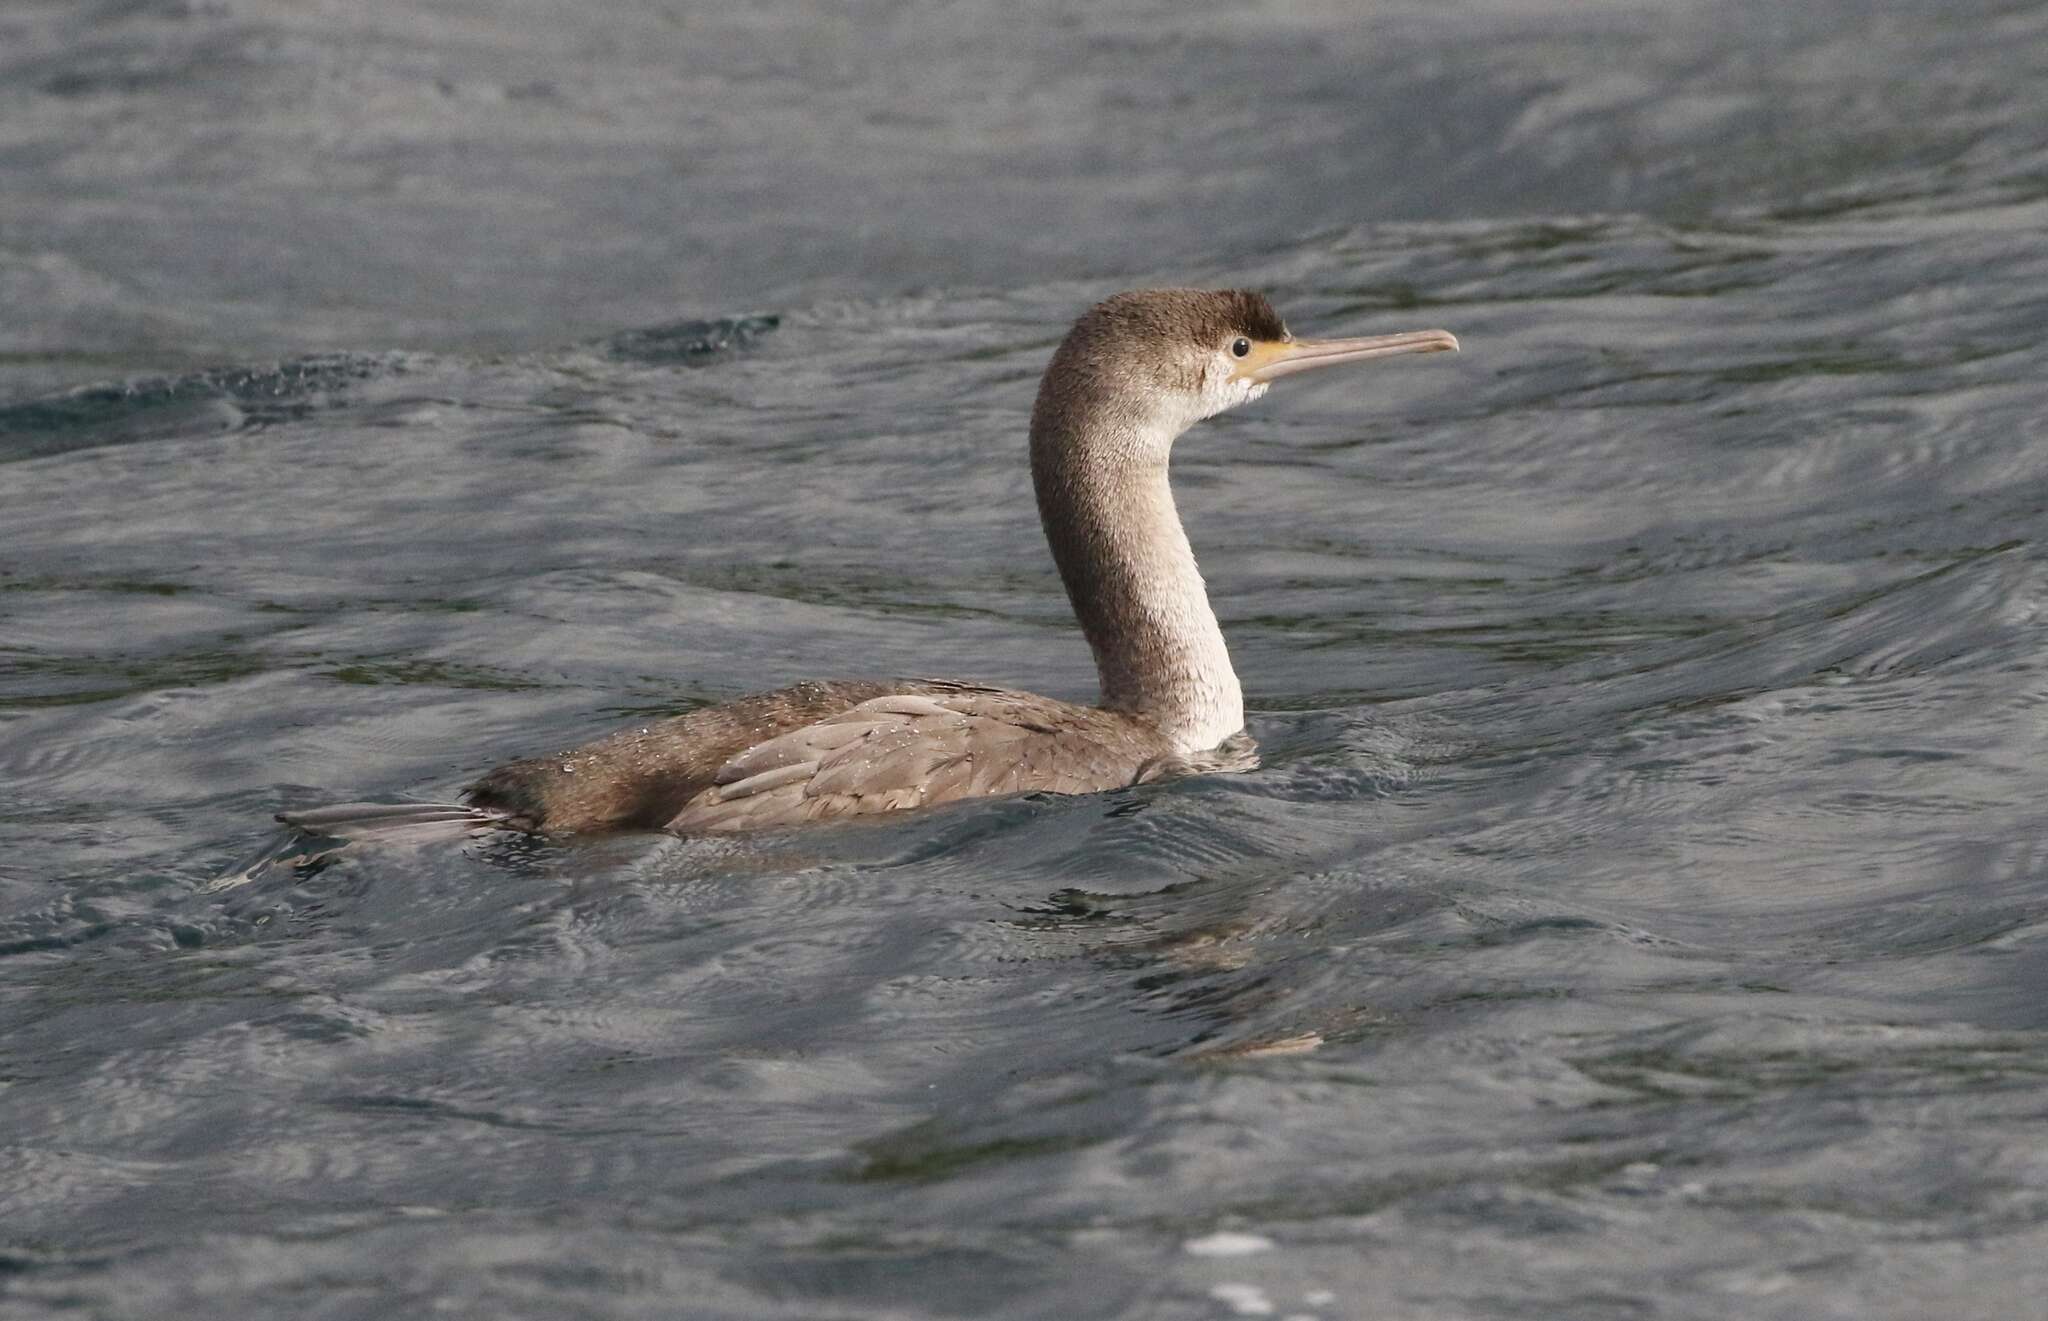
<point>77,680</point>
<point>855,586</point>
<point>436,674</point>
<point>692,343</point>
<point>12,582</point>
<point>923,1156</point>
<point>224,399</point>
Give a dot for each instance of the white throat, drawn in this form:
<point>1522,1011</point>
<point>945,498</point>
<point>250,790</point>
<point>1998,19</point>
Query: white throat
<point>1109,514</point>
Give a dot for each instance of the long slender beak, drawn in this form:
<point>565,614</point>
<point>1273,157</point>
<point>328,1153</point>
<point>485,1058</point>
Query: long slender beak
<point>1269,361</point>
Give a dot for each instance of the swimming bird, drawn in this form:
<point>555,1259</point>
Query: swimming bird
<point>1135,372</point>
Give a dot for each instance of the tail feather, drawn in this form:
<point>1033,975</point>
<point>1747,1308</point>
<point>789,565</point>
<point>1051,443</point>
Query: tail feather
<point>360,818</point>
<point>326,832</point>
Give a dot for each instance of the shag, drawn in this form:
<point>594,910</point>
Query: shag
<point>1135,372</point>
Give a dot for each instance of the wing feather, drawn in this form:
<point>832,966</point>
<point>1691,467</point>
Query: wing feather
<point>795,772</point>
<point>906,750</point>
<point>799,746</point>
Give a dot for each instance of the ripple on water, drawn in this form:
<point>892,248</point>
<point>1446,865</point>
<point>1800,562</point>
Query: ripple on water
<point>1642,874</point>
<point>155,409</point>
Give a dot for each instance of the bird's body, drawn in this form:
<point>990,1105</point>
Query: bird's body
<point>820,751</point>
<point>1134,373</point>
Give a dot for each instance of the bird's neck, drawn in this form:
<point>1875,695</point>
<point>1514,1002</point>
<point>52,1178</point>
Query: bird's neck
<point>1108,512</point>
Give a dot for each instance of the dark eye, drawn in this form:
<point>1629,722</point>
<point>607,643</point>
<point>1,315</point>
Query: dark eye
<point>1240,347</point>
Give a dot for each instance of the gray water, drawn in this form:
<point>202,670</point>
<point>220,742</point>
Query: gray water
<point>1642,908</point>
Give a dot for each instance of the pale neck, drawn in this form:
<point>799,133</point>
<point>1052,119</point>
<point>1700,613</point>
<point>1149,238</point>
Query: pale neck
<point>1108,512</point>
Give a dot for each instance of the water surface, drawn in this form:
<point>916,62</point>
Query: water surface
<point>1641,909</point>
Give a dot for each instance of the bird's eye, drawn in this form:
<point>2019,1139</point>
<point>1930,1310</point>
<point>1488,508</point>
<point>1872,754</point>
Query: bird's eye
<point>1240,347</point>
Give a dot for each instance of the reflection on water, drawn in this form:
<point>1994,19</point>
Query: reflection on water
<point>1638,907</point>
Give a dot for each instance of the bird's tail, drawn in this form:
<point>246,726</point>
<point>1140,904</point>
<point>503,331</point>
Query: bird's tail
<point>357,819</point>
<point>323,833</point>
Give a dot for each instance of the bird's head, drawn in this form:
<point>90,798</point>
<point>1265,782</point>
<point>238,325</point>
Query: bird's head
<point>1153,362</point>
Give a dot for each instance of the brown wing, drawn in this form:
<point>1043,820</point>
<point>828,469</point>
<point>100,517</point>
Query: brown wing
<point>640,777</point>
<point>919,748</point>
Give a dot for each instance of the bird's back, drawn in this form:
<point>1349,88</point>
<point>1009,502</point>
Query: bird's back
<point>922,745</point>
<point>825,750</point>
